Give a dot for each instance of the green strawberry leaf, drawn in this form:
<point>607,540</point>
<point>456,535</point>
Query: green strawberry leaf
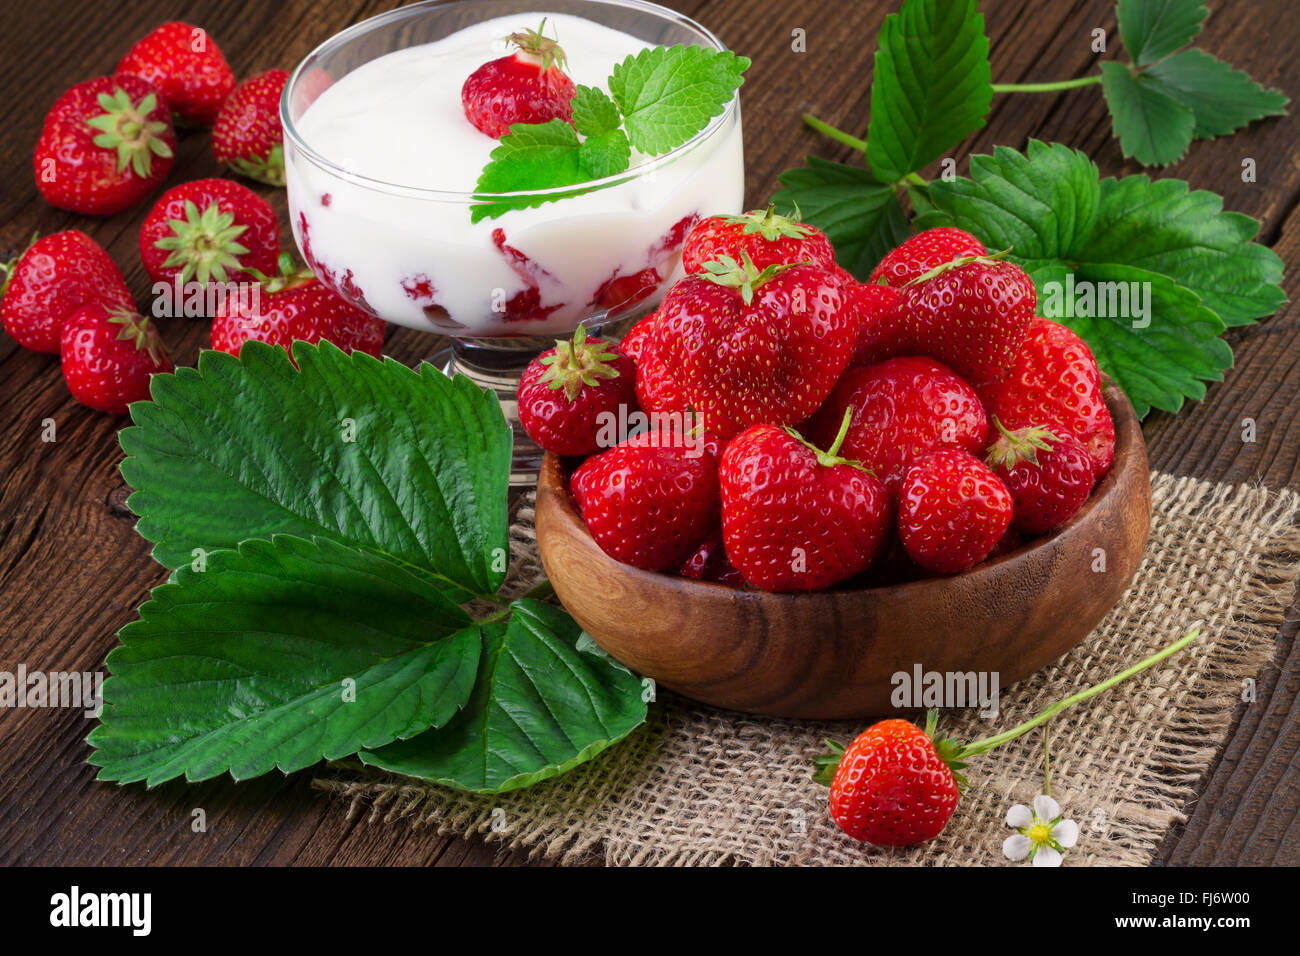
<point>1166,227</point>
<point>932,84</point>
<point>1152,29</point>
<point>594,112</point>
<point>1222,99</point>
<point>860,215</point>
<point>410,466</point>
<point>1198,264</point>
<point>1041,203</point>
<point>1151,126</point>
<point>668,94</point>
<point>278,655</point>
<point>541,706</point>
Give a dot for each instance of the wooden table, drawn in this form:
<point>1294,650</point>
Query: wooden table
<point>72,570</point>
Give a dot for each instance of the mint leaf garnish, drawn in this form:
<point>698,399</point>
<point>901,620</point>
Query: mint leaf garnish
<point>1049,206</point>
<point>541,706</point>
<point>861,216</point>
<point>661,98</point>
<point>668,94</point>
<point>1222,99</point>
<point>410,466</point>
<point>1152,29</point>
<point>594,112</point>
<point>1151,126</point>
<point>931,84</point>
<point>605,155</point>
<point>279,655</point>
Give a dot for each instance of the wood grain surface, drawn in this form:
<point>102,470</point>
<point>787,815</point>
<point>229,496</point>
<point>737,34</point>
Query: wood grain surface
<point>72,570</point>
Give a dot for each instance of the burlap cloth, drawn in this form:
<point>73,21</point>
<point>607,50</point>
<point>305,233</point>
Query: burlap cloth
<point>702,786</point>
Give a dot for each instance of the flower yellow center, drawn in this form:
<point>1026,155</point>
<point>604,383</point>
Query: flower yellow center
<point>1040,834</point>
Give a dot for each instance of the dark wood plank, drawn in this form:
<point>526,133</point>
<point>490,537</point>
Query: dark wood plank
<point>72,570</point>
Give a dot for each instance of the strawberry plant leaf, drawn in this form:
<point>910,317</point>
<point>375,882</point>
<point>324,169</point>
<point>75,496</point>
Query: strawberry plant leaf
<point>594,112</point>
<point>860,215</point>
<point>1152,29</point>
<point>1222,99</point>
<point>1166,227</point>
<point>932,84</point>
<point>278,655</point>
<point>668,94</point>
<point>1041,203</point>
<point>540,707</point>
<point>410,466</point>
<point>1151,126</point>
<point>1198,264</point>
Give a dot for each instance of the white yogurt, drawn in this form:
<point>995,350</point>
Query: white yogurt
<point>417,260</point>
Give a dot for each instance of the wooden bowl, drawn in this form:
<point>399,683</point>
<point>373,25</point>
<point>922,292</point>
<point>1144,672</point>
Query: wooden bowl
<point>832,654</point>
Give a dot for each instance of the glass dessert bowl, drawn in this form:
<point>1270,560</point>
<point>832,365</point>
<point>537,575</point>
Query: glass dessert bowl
<point>381,165</point>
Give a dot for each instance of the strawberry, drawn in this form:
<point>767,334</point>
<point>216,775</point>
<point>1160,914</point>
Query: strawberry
<point>1049,477</point>
<point>902,408</point>
<point>566,393</point>
<point>753,347</point>
<point>768,240</point>
<point>292,307</point>
<point>923,252</point>
<point>895,784</point>
<point>1054,383</point>
<point>795,518</point>
<point>527,86</point>
<point>635,342</point>
<point>971,314</point>
<point>622,293</point>
<point>650,500</point>
<point>871,308</point>
<point>54,277</point>
<point>247,137</point>
<point>210,229</point>
<point>108,354</point>
<point>656,390</point>
<point>105,145</point>
<point>952,510</point>
<point>186,67</point>
<point>710,563</point>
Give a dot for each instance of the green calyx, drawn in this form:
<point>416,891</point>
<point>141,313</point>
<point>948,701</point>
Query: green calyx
<point>743,275</point>
<point>831,456</point>
<point>534,43</point>
<point>204,243</point>
<point>7,268</point>
<point>289,275</point>
<point>949,751</point>
<point>1023,444</point>
<point>825,765</point>
<point>577,363</point>
<point>769,225</point>
<point>269,170</point>
<point>126,128</point>
<point>137,330</point>
<point>957,264</point>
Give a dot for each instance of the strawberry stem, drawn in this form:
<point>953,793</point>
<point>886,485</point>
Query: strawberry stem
<point>989,743</point>
<point>1051,87</point>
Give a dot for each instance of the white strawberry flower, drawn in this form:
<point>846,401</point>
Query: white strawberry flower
<point>1043,836</point>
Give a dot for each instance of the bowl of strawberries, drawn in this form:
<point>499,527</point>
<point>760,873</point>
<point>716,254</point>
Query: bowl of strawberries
<point>785,487</point>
